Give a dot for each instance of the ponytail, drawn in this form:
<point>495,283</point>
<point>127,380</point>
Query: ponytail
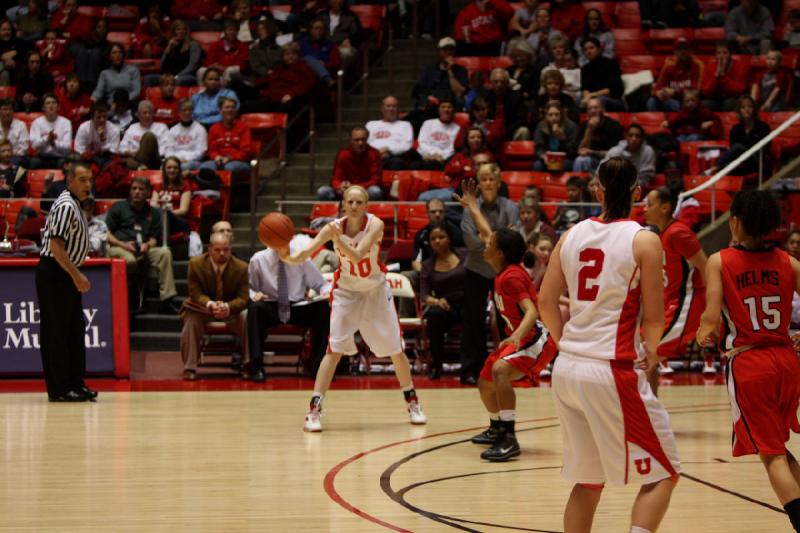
<point>618,179</point>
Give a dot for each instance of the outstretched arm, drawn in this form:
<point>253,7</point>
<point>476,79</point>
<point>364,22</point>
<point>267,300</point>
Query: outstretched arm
<point>708,332</point>
<point>300,257</point>
<point>469,200</point>
<point>375,234</point>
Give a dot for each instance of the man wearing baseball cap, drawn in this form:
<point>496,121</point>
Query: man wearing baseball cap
<point>678,73</point>
<point>443,80</point>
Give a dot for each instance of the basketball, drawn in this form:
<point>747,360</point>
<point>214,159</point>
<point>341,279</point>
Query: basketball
<point>275,230</point>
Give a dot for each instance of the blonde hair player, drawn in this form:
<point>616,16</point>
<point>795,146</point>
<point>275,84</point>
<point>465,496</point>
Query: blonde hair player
<point>361,300</point>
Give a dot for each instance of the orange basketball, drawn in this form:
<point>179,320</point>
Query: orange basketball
<point>275,230</point>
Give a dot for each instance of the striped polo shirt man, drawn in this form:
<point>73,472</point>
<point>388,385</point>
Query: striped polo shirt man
<point>67,222</point>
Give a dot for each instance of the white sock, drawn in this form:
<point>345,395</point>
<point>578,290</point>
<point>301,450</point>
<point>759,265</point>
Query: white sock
<point>315,395</point>
<point>494,416</point>
<point>637,529</point>
<point>507,415</point>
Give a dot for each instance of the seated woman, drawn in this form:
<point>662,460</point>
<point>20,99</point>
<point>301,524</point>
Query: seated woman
<point>118,75</point>
<point>532,220</point>
<point>175,198</point>
<point>525,69</point>
<point>694,122</point>
<point>553,84</point>
<point>441,291</point>
<point>595,26</point>
<point>744,135</point>
<point>564,61</point>
<point>32,25</point>
<point>540,246</point>
<point>33,83</point>
<point>460,167</point>
<point>181,57</point>
<point>151,34</point>
<point>479,118</point>
<point>287,87</point>
<point>556,133</point>
<point>770,89</point>
<point>320,52</point>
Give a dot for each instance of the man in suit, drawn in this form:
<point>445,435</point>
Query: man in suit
<point>218,290</point>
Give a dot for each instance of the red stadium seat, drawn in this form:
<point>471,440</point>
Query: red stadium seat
<point>122,17</point>
<point>462,119</point>
<point>630,41</point>
<point>694,155</point>
<point>155,177</point>
<point>265,126</point>
<point>663,41</point>
<point>517,155</point>
<point>372,19</point>
<point>206,38</point>
<point>650,120</point>
<point>627,15</point>
<point>720,200</point>
<point>27,118</point>
<point>730,184</point>
<point>705,39</point>
<point>120,37</point>
<point>180,92</point>
<point>8,92</point>
<point>102,206</point>
<point>36,179</point>
<point>728,120</point>
<point>12,209</point>
<point>624,119</point>
<point>146,66</point>
<point>607,11</point>
<point>93,11</point>
<point>552,192</point>
<point>320,210</point>
<point>631,64</point>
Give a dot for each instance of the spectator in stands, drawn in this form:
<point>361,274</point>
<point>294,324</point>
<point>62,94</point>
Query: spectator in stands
<point>567,17</point>
<point>51,136</point>
<point>320,52</point>
<point>264,54</point>
<point>240,12</point>
<point>508,106</point>
<point>726,79</point>
<point>771,89</point>
<point>97,139</point>
<point>218,290</point>
<point>461,166</point>
<point>120,114</point>
<point>97,230</point>
<point>229,55</point>
<point>187,140</point>
<point>553,91</point>
<point>596,136</point>
<point>523,21</point>
<point>564,60</point>
<point>500,213</point>
<point>151,34</point>
<point>229,145</point>
<point>91,54</point>
<point>12,182</point>
<point>206,103</point>
<point>678,73</point>
<point>694,122</point>
<point>175,198</point>
<point>744,135</point>
<point>595,27</point>
<point>144,141</point>
<point>676,14</point>
<point>442,291</point>
<point>792,247</point>
<point>422,243</point>
<point>73,103</point>
<point>14,130</point>
<point>165,104</point>
<point>202,10</point>
<point>119,75</point>
<point>288,87</point>
<point>72,25</point>
<point>568,216</point>
<point>437,138</point>
<point>302,13</point>
<point>224,227</point>
<point>12,51</point>
<point>357,164</point>
<point>134,231</point>
<point>393,138</point>
<point>181,56</point>
<point>58,61</point>
<point>539,39</point>
<point>32,25</point>
<point>635,148</point>
<point>480,27</point>
<point>524,71</point>
<point>555,134</point>
<point>344,28</point>
<point>266,274</point>
<point>32,83</point>
<point>750,24</point>
<point>600,77</point>
<point>492,129</point>
<point>443,80</point>
<point>791,34</point>
<point>532,220</point>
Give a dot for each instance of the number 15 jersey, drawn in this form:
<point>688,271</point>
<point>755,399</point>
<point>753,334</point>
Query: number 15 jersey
<point>757,286</point>
<point>367,273</point>
<point>604,295</point>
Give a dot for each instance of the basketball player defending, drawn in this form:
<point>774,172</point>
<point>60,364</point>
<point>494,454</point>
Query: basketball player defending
<point>684,293</point>
<point>361,300</point>
<point>614,428</point>
<point>751,285</point>
<point>527,349</point>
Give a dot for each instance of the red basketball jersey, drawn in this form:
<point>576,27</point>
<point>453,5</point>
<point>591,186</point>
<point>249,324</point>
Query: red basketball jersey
<point>757,286</point>
<point>511,287</point>
<point>680,243</point>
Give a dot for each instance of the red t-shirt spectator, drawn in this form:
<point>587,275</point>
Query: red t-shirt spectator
<point>732,84</point>
<point>359,169</point>
<point>166,110</point>
<point>688,122</point>
<point>78,25</point>
<point>485,27</point>
<point>228,54</point>
<point>233,142</point>
<point>460,168</point>
<point>568,18</point>
<point>57,59</point>
<point>493,129</point>
<point>680,77</point>
<point>69,107</point>
<point>296,80</point>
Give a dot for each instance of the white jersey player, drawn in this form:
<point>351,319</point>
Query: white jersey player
<point>614,428</point>
<point>361,300</point>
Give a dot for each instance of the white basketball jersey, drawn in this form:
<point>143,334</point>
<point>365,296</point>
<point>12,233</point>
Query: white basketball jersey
<point>367,273</point>
<point>604,295</point>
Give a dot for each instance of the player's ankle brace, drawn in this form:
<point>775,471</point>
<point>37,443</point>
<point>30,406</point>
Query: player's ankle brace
<point>792,509</point>
<point>410,395</point>
<point>508,426</point>
<point>316,401</point>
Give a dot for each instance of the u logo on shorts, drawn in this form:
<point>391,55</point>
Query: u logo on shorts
<point>643,466</point>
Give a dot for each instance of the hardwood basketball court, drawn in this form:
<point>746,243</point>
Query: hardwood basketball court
<point>239,461</point>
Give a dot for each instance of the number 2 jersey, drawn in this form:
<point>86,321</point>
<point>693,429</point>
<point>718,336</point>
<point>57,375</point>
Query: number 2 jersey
<point>604,295</point>
<point>758,286</point>
<point>367,273</point>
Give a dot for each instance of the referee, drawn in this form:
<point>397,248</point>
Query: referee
<point>59,285</point>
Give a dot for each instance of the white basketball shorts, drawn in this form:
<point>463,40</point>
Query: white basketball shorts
<point>372,313</point>
<point>614,429</point>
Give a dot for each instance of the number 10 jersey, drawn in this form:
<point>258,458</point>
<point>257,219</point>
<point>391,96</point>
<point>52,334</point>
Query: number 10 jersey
<point>604,295</point>
<point>367,273</point>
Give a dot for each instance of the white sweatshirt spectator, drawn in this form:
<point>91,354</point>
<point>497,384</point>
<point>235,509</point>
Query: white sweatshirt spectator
<point>396,136</point>
<point>41,128</point>
<point>188,139</point>
<point>17,135</point>
<point>88,141</point>
<point>133,136</point>
<point>437,138</point>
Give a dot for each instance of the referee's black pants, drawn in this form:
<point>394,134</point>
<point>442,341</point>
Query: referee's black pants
<point>473,313</point>
<point>61,328</point>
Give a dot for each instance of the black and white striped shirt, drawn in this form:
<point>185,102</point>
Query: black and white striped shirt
<point>67,222</point>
